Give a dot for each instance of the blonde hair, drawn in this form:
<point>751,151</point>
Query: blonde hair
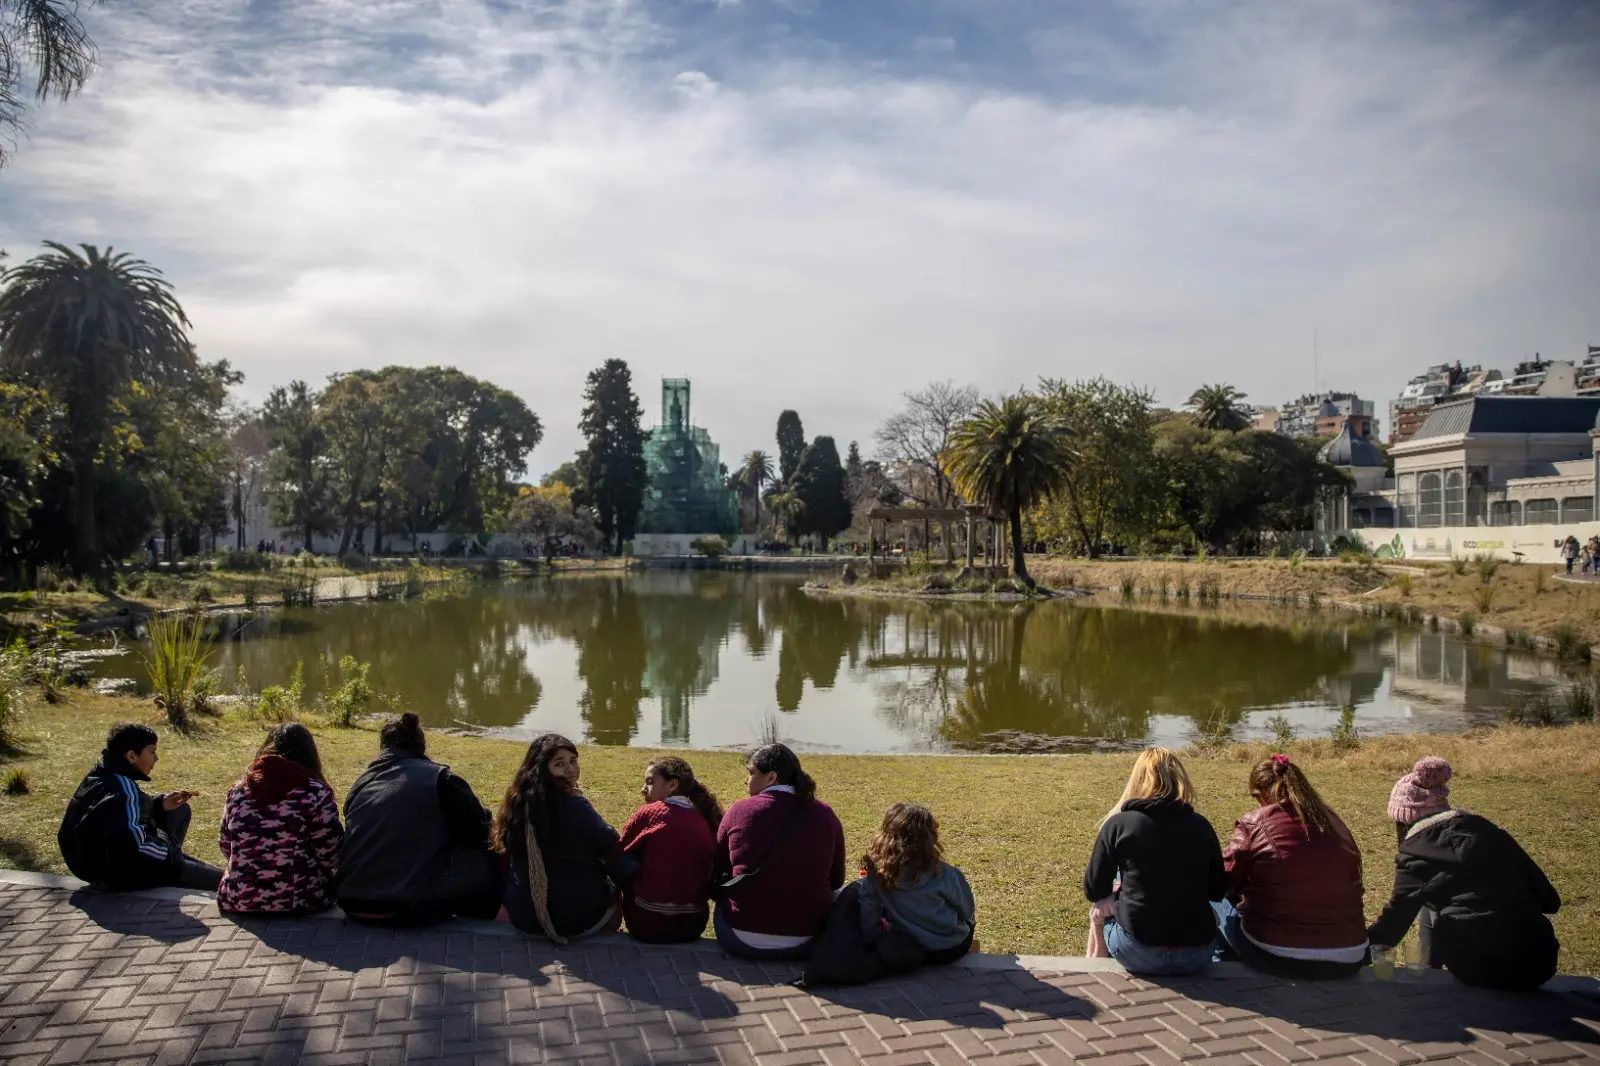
<point>1156,772</point>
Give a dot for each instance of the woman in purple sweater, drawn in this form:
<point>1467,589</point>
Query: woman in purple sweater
<point>780,856</point>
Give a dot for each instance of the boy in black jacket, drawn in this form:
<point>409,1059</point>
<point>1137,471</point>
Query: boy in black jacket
<point>117,838</point>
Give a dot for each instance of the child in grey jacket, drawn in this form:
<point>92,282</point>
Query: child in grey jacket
<point>906,885</point>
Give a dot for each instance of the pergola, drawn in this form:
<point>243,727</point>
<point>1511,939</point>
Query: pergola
<point>969,517</point>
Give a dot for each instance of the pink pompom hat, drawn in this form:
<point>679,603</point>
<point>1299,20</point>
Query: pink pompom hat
<point>1421,793</point>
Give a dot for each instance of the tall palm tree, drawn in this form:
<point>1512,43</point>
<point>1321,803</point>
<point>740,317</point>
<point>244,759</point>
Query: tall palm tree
<point>86,327</point>
<point>1218,407</point>
<point>1008,457</point>
<point>756,471</point>
<point>41,41</point>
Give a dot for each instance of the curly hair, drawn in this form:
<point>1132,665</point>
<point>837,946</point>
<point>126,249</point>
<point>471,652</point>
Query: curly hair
<point>906,848</point>
<point>673,768</point>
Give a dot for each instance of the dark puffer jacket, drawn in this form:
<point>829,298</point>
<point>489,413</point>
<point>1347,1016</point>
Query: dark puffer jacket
<point>1293,888</point>
<point>1491,900</point>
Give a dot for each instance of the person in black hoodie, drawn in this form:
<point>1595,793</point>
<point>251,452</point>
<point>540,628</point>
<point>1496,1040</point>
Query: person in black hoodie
<point>1167,855</point>
<point>117,838</point>
<point>416,839</point>
<point>1479,900</point>
<point>561,866</point>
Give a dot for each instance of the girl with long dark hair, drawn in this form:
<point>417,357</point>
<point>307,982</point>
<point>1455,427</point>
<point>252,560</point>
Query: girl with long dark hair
<point>780,859</point>
<point>280,830</point>
<point>668,847</point>
<point>1293,905</point>
<point>557,848</point>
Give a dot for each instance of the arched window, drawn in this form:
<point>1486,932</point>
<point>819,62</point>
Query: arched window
<point>1541,513</point>
<point>1383,517</point>
<point>1577,509</point>
<point>1505,513</point>
<point>1430,494</point>
<point>1455,498</point>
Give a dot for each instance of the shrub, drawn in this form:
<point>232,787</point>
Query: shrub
<point>1183,587</point>
<point>938,581</point>
<point>1209,589</point>
<point>306,561</point>
<point>1468,622</point>
<point>274,704</point>
<point>175,661</point>
<point>248,561</point>
<point>297,686</point>
<point>1433,623</point>
<point>1569,642</point>
<point>1483,596</point>
<point>299,591</point>
<point>1541,709</point>
<point>251,593</point>
<point>47,580</point>
<point>1213,734</point>
<point>1200,554</point>
<point>1346,737</point>
<point>1458,564</point>
<point>1512,713</point>
<point>1487,566</point>
<point>1580,700</point>
<point>13,689</point>
<point>1282,730</point>
<point>1298,557</point>
<point>710,546</point>
<point>207,684</point>
<point>45,669</point>
<point>414,583</point>
<point>1129,583</point>
<point>203,594</point>
<point>1404,585</point>
<point>17,783</point>
<point>346,702</point>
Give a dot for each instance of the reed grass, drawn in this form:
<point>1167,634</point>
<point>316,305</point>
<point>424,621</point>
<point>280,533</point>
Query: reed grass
<point>176,661</point>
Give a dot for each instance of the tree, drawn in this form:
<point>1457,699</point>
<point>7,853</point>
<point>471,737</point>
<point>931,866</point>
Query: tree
<point>569,473</point>
<point>351,412</point>
<point>86,327</point>
<point>1109,488</point>
<point>918,435</point>
<point>1009,457</point>
<point>547,516</point>
<point>852,468</point>
<point>46,35</point>
<point>754,472</point>
<point>249,450</point>
<point>300,475</point>
<point>791,442</point>
<point>1218,407</point>
<point>614,472</point>
<point>819,485</point>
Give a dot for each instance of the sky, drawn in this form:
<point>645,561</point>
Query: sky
<point>820,204</point>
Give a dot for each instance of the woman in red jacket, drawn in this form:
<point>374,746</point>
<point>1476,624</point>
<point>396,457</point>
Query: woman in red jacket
<point>667,847</point>
<point>1293,904</point>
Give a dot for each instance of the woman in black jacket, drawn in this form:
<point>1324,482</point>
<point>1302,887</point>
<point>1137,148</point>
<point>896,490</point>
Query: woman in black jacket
<point>1170,864</point>
<point>559,882</point>
<point>1478,899</point>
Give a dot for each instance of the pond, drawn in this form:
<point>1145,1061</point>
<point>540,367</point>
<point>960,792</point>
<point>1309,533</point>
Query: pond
<point>714,660</point>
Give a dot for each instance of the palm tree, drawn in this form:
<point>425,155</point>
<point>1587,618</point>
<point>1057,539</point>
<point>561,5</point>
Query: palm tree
<point>46,36</point>
<point>756,471</point>
<point>785,506</point>
<point>86,327</point>
<point>1008,457</point>
<point>1218,407</point>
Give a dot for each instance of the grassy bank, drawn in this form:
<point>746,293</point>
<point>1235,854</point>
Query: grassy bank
<point>1521,600</point>
<point>1020,827</point>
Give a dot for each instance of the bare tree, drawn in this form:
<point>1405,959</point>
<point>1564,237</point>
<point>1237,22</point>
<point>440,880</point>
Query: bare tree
<point>915,437</point>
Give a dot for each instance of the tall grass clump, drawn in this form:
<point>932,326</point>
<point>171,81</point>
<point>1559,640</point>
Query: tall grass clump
<point>176,661</point>
<point>1209,589</point>
<point>1487,566</point>
<point>1458,564</point>
<point>1183,587</point>
<point>1569,642</point>
<point>1580,701</point>
<point>1539,581</point>
<point>17,783</point>
<point>1468,622</point>
<point>1483,597</point>
<point>13,690</point>
<point>1346,737</point>
<point>1404,585</point>
<point>1129,584</point>
<point>353,694</point>
<point>300,590</point>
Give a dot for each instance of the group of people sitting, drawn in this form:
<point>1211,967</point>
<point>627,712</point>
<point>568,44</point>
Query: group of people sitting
<point>1285,895</point>
<point>415,846</point>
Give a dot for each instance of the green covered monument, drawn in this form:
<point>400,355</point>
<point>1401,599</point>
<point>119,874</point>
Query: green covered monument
<point>686,493</point>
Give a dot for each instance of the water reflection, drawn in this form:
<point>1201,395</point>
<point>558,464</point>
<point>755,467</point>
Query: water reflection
<point>694,658</point>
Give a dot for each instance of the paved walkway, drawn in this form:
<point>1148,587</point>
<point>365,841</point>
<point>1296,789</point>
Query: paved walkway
<point>161,978</point>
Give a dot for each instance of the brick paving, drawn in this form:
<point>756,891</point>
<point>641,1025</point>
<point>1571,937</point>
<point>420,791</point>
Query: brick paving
<point>162,978</point>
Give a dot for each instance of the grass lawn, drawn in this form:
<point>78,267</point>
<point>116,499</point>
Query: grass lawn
<point>1020,826</point>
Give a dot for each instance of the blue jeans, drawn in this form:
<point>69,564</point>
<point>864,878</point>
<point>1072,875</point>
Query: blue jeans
<point>1156,962</point>
<point>728,941</point>
<point>1230,937</point>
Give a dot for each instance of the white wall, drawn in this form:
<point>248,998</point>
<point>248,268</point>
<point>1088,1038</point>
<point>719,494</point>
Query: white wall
<point>1538,544</point>
<point>646,545</point>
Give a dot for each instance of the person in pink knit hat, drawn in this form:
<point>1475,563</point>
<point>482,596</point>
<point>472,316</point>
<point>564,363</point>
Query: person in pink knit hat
<point>1478,899</point>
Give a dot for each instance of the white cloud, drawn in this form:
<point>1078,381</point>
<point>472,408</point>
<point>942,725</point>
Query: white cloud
<point>527,196</point>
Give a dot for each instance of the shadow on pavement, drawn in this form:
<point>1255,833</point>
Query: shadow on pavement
<point>158,918</point>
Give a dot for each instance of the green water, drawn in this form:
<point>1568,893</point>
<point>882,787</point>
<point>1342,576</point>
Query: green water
<point>712,660</point>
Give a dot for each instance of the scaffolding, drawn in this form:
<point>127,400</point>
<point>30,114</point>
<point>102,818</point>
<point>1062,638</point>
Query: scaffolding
<point>686,493</point>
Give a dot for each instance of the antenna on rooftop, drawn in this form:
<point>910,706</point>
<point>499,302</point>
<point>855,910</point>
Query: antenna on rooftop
<point>1316,374</point>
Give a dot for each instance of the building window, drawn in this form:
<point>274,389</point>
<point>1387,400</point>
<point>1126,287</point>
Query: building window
<point>1405,500</point>
<point>1541,513</point>
<point>1455,498</point>
<point>1477,495</point>
<point>1577,509</point>
<point>1430,501</point>
<point>1383,517</point>
<point>1505,513</point>
<point>1362,518</point>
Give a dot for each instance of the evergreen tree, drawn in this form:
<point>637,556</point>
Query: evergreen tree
<point>791,442</point>
<point>819,483</point>
<point>302,499</point>
<point>614,471</point>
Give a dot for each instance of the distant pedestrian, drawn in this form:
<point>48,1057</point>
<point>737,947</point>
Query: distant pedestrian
<point>1569,552</point>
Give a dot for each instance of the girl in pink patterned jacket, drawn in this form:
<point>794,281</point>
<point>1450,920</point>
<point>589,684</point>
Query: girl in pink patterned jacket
<point>280,831</point>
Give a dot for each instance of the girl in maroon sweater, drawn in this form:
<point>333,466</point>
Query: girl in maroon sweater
<point>668,845</point>
<point>780,860</point>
